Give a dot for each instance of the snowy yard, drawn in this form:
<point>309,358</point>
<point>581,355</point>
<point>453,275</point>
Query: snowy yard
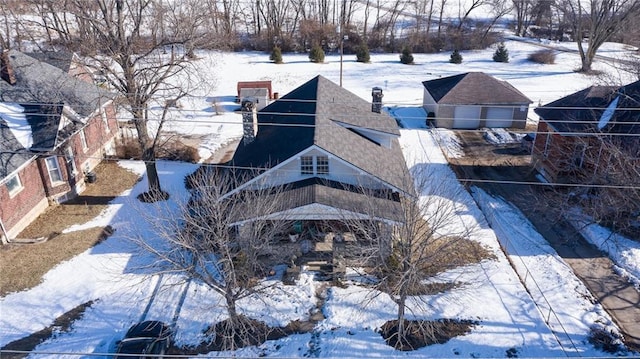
<point>538,309</point>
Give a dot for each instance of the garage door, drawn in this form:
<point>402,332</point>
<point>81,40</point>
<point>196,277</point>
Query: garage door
<point>466,117</point>
<point>499,116</point>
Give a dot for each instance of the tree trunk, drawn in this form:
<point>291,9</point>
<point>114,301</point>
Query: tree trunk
<point>402,303</point>
<point>231,305</point>
<point>148,155</point>
<point>152,177</point>
<point>586,57</point>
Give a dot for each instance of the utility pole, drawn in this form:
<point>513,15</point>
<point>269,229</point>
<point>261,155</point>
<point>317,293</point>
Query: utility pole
<point>342,38</point>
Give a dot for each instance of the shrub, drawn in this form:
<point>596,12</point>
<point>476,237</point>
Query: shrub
<point>276,55</point>
<point>316,54</point>
<point>543,57</point>
<point>455,58</point>
<point>406,57</point>
<point>501,54</point>
<point>362,53</point>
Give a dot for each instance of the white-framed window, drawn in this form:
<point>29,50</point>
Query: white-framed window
<point>53,167</point>
<point>105,121</point>
<point>71,159</point>
<point>322,165</point>
<point>318,165</point>
<point>14,185</point>
<point>306,165</point>
<point>83,140</point>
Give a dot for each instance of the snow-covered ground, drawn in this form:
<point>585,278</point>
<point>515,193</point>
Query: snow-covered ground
<point>511,315</point>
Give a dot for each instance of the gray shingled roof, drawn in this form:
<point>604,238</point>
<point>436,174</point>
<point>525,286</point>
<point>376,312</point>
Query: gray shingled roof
<point>474,88</point>
<point>309,115</point>
<point>39,82</point>
<point>42,89</point>
<point>59,59</point>
<point>581,111</point>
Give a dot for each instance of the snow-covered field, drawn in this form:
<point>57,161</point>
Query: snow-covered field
<point>511,315</point>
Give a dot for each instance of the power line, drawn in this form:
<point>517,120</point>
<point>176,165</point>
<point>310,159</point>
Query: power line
<point>364,175</point>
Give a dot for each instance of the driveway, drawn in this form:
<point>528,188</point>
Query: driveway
<point>617,295</point>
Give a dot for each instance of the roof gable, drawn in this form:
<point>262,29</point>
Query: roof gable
<point>474,88</point>
<point>315,114</point>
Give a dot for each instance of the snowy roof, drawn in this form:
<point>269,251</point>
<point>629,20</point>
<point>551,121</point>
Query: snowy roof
<point>474,88</point>
<point>596,108</point>
<point>15,138</point>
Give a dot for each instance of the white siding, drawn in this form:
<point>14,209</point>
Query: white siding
<point>339,171</point>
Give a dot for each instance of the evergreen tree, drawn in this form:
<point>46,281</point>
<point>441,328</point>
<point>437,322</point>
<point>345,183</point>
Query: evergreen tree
<point>362,53</point>
<point>501,54</point>
<point>455,58</point>
<point>276,55</point>
<point>406,57</point>
<point>316,54</point>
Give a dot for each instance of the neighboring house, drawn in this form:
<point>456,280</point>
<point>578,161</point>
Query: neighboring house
<point>54,129</point>
<point>583,125</point>
<point>334,156</point>
<point>258,92</point>
<point>474,100</point>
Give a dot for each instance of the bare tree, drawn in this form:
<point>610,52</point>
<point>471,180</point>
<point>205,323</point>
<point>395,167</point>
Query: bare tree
<point>465,12</point>
<point>607,167</point>
<point>219,239</point>
<point>523,10</point>
<point>499,8</point>
<point>134,63</point>
<point>409,240</point>
<point>597,21</point>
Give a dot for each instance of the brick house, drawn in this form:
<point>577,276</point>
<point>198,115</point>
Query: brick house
<point>583,126</point>
<point>55,127</point>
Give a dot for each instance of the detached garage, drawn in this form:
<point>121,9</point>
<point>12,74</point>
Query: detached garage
<point>499,117</point>
<point>465,116</point>
<point>474,100</point>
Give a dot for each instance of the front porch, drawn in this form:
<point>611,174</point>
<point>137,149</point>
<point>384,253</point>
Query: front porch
<point>327,247</point>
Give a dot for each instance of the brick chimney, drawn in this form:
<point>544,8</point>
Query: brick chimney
<point>6,70</point>
<point>376,103</point>
<point>249,121</point>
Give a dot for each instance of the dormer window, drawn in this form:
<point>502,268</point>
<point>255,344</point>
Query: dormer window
<point>306,165</point>
<point>322,165</point>
<point>310,165</point>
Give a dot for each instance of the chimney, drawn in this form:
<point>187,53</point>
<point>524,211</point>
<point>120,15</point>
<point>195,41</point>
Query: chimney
<point>249,121</point>
<point>6,70</point>
<point>376,103</point>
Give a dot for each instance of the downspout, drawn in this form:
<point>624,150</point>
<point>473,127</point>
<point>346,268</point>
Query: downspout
<point>5,235</point>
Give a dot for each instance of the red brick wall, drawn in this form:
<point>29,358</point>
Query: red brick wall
<point>97,133</point>
<point>35,178</point>
<point>13,209</point>
<point>549,151</point>
<point>56,188</point>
